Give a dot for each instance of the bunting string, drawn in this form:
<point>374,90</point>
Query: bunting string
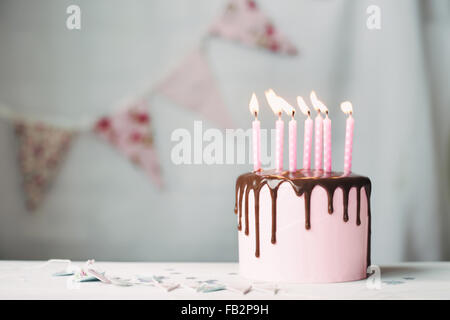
<point>10,115</point>
<point>44,141</point>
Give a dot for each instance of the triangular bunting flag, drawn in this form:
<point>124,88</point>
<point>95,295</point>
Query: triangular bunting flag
<point>192,85</point>
<point>41,152</point>
<point>130,131</point>
<point>244,22</point>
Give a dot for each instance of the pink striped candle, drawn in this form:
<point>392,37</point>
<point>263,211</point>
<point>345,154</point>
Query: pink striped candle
<point>276,105</point>
<point>327,143</point>
<point>256,145</point>
<point>307,137</point>
<point>318,142</point>
<point>292,133</point>
<point>256,134</point>
<point>292,144</point>
<point>279,143</point>
<point>319,106</point>
<point>348,109</point>
<point>307,143</point>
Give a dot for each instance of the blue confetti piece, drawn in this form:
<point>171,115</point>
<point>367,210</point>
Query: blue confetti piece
<point>393,282</point>
<point>62,274</point>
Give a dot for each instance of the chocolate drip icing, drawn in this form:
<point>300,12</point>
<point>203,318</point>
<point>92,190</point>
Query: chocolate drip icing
<point>303,183</point>
<point>236,210</point>
<point>256,223</point>
<point>247,191</point>
<point>273,194</point>
<point>368,189</point>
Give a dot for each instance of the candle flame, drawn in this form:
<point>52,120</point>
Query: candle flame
<point>318,105</point>
<point>290,110</point>
<point>273,101</point>
<point>302,105</point>
<point>347,107</point>
<point>253,105</point>
<point>270,90</point>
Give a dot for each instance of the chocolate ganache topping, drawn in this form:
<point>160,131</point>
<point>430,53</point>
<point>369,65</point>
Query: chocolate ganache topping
<point>303,182</point>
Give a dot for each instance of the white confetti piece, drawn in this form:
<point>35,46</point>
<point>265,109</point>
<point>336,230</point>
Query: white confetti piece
<point>266,287</point>
<point>122,282</point>
<point>205,288</point>
<point>239,288</point>
<point>165,285</point>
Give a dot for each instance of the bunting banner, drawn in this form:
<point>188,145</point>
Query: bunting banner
<point>130,131</point>
<point>192,85</point>
<point>244,22</point>
<point>42,149</point>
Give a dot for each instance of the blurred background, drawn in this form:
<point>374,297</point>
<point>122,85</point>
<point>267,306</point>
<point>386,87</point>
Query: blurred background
<point>101,206</point>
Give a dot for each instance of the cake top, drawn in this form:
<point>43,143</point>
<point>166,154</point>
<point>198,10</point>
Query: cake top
<point>304,174</point>
<point>304,180</point>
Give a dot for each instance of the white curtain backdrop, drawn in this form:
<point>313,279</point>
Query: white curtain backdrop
<point>101,207</point>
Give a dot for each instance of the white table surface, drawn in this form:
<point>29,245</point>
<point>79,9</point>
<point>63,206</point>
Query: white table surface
<point>33,280</point>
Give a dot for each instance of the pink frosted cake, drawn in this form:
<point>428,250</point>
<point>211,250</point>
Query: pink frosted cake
<point>305,227</point>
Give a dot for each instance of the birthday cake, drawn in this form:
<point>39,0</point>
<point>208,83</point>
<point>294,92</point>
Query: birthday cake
<point>307,226</point>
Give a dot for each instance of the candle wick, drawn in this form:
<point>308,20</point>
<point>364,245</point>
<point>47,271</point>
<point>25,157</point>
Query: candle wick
<point>256,115</point>
<point>279,115</point>
<point>293,113</point>
<point>309,113</point>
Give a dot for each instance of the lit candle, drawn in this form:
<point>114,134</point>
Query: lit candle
<point>326,137</point>
<point>318,125</point>
<point>292,134</point>
<point>307,138</point>
<point>327,142</point>
<point>347,108</point>
<point>254,108</point>
<point>274,103</point>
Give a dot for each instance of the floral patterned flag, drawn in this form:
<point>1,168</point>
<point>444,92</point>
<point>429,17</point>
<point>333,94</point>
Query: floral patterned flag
<point>193,86</point>
<point>244,22</point>
<point>130,131</point>
<point>41,151</point>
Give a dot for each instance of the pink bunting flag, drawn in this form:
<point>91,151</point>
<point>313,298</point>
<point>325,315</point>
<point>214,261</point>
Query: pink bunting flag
<point>130,131</point>
<point>193,86</point>
<point>244,22</point>
<point>41,152</point>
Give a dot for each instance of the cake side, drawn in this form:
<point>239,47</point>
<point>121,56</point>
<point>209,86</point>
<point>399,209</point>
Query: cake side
<point>305,226</point>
